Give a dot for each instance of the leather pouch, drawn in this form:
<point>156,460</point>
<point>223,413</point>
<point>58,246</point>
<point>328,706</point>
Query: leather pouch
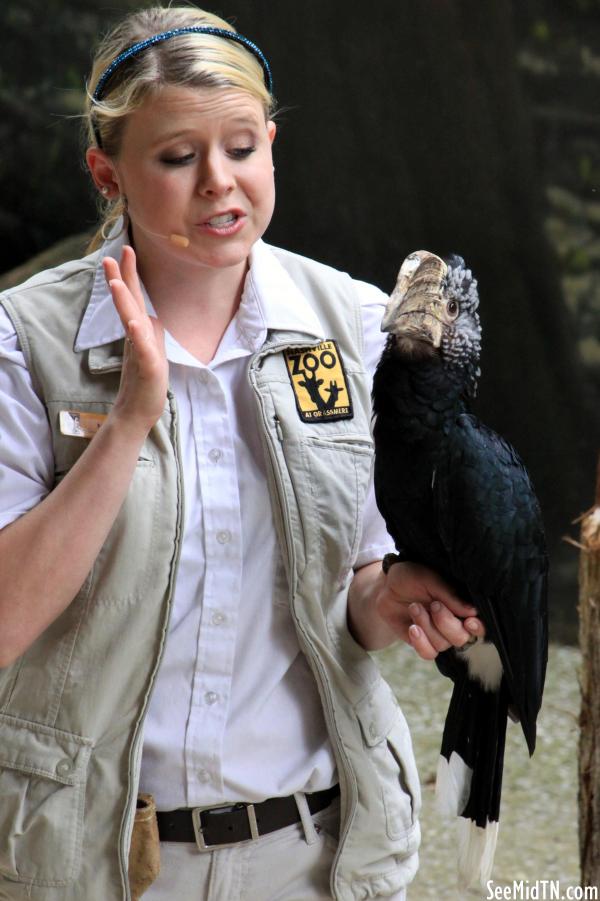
<point>144,852</point>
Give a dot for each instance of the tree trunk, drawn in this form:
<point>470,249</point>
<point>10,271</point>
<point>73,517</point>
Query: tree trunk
<point>589,742</point>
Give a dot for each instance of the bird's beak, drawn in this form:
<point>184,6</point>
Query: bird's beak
<point>416,305</point>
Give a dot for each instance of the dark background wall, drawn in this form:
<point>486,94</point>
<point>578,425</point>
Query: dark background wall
<point>451,125</point>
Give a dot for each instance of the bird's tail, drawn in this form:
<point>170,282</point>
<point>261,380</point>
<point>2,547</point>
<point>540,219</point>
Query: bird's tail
<point>469,777</point>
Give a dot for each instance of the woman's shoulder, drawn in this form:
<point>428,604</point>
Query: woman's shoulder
<point>54,275</point>
<point>368,293</point>
<point>63,284</point>
<point>333,289</point>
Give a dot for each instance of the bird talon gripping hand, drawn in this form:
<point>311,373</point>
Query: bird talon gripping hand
<point>456,497</point>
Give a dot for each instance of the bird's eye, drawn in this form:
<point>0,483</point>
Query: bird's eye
<point>452,308</point>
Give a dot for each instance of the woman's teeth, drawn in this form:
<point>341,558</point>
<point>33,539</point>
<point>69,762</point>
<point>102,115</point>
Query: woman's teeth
<point>225,219</point>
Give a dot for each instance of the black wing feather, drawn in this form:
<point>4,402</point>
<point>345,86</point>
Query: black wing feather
<point>489,522</point>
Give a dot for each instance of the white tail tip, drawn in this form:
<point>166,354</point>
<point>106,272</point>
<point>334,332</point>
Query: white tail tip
<point>452,785</point>
<point>476,849</point>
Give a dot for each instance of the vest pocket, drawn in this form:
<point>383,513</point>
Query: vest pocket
<point>389,748</point>
<point>338,469</point>
<point>42,791</point>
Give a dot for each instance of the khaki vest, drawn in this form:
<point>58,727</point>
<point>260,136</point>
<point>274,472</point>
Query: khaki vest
<point>72,707</point>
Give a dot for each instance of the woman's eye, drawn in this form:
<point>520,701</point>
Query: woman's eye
<point>240,153</point>
<point>178,160</point>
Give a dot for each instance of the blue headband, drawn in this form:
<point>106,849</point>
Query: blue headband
<point>165,35</point>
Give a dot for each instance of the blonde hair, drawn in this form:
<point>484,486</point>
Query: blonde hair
<point>188,60</point>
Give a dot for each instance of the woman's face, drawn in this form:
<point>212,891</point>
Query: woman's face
<point>197,163</point>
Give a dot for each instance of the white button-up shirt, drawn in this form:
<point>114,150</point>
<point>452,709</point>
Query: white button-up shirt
<point>235,712</point>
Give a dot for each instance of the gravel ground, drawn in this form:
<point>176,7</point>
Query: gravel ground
<point>538,820</point>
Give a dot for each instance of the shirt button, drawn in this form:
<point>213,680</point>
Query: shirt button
<point>218,618</point>
<point>214,455</point>
<point>211,697</point>
<point>224,536</point>
<point>203,776</point>
<point>203,376</point>
<point>373,730</point>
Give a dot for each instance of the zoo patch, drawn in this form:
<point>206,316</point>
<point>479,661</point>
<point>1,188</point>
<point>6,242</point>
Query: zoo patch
<point>319,382</point>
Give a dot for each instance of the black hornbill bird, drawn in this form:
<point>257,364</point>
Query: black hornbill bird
<point>456,497</point>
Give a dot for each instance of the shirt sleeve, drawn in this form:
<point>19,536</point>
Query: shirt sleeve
<point>375,541</point>
<point>26,457</point>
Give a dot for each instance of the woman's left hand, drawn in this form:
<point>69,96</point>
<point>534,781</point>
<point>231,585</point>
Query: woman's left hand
<point>411,602</point>
<point>424,610</point>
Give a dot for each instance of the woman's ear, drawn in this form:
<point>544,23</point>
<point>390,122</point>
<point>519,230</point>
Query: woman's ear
<point>271,130</point>
<point>103,172</point>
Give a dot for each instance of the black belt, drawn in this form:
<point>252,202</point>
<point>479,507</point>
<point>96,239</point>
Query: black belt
<point>219,827</point>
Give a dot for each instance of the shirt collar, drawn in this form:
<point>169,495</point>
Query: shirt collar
<point>271,294</point>
<point>270,301</point>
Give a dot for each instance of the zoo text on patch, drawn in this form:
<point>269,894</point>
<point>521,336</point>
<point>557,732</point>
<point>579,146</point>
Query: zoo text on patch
<point>319,382</point>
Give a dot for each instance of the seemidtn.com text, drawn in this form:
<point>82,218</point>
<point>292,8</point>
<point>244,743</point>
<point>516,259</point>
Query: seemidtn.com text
<point>540,890</point>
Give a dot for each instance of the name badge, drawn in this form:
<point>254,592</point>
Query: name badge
<point>78,424</point>
<point>319,382</point>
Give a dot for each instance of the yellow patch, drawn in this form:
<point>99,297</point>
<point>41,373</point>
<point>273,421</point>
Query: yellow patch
<point>78,424</point>
<point>319,382</point>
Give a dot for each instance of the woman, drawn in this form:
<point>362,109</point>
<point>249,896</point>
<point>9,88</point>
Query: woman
<point>190,550</point>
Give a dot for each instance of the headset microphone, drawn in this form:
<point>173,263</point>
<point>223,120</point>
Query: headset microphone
<point>179,240</point>
<point>175,238</point>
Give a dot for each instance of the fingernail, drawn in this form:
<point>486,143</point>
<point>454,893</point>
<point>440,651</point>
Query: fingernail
<point>414,631</point>
<point>471,626</point>
<point>414,609</point>
<point>436,606</point>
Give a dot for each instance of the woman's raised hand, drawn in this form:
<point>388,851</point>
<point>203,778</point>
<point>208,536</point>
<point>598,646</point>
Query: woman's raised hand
<point>145,374</point>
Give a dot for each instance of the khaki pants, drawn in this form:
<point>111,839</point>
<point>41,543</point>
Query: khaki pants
<point>292,864</point>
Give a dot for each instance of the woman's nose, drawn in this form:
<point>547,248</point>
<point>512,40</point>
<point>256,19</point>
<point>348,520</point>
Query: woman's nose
<point>216,177</point>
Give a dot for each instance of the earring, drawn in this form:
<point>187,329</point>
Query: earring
<point>104,191</point>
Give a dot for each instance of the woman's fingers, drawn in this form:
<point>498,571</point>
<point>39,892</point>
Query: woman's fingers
<point>125,305</point>
<point>442,628</point>
<point>125,286</point>
<point>130,276</point>
<point>421,617</point>
<point>146,339</point>
<point>145,374</point>
<point>421,643</point>
<point>450,626</point>
<point>124,302</point>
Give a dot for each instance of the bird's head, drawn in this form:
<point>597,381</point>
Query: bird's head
<point>433,311</point>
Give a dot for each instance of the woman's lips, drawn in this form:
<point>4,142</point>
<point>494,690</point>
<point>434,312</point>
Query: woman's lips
<point>223,223</point>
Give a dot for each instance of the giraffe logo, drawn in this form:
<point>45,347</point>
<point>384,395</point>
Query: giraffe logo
<point>319,382</point>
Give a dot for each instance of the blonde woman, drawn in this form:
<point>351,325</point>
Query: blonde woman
<point>190,550</point>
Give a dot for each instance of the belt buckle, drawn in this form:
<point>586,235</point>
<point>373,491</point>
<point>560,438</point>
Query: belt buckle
<point>197,823</point>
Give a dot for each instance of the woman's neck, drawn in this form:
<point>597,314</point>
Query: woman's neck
<point>195,304</point>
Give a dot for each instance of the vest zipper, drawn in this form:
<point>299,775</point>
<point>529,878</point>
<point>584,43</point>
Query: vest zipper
<point>277,490</point>
<point>135,753</point>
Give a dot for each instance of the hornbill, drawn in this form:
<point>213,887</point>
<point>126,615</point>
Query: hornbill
<point>456,497</point>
